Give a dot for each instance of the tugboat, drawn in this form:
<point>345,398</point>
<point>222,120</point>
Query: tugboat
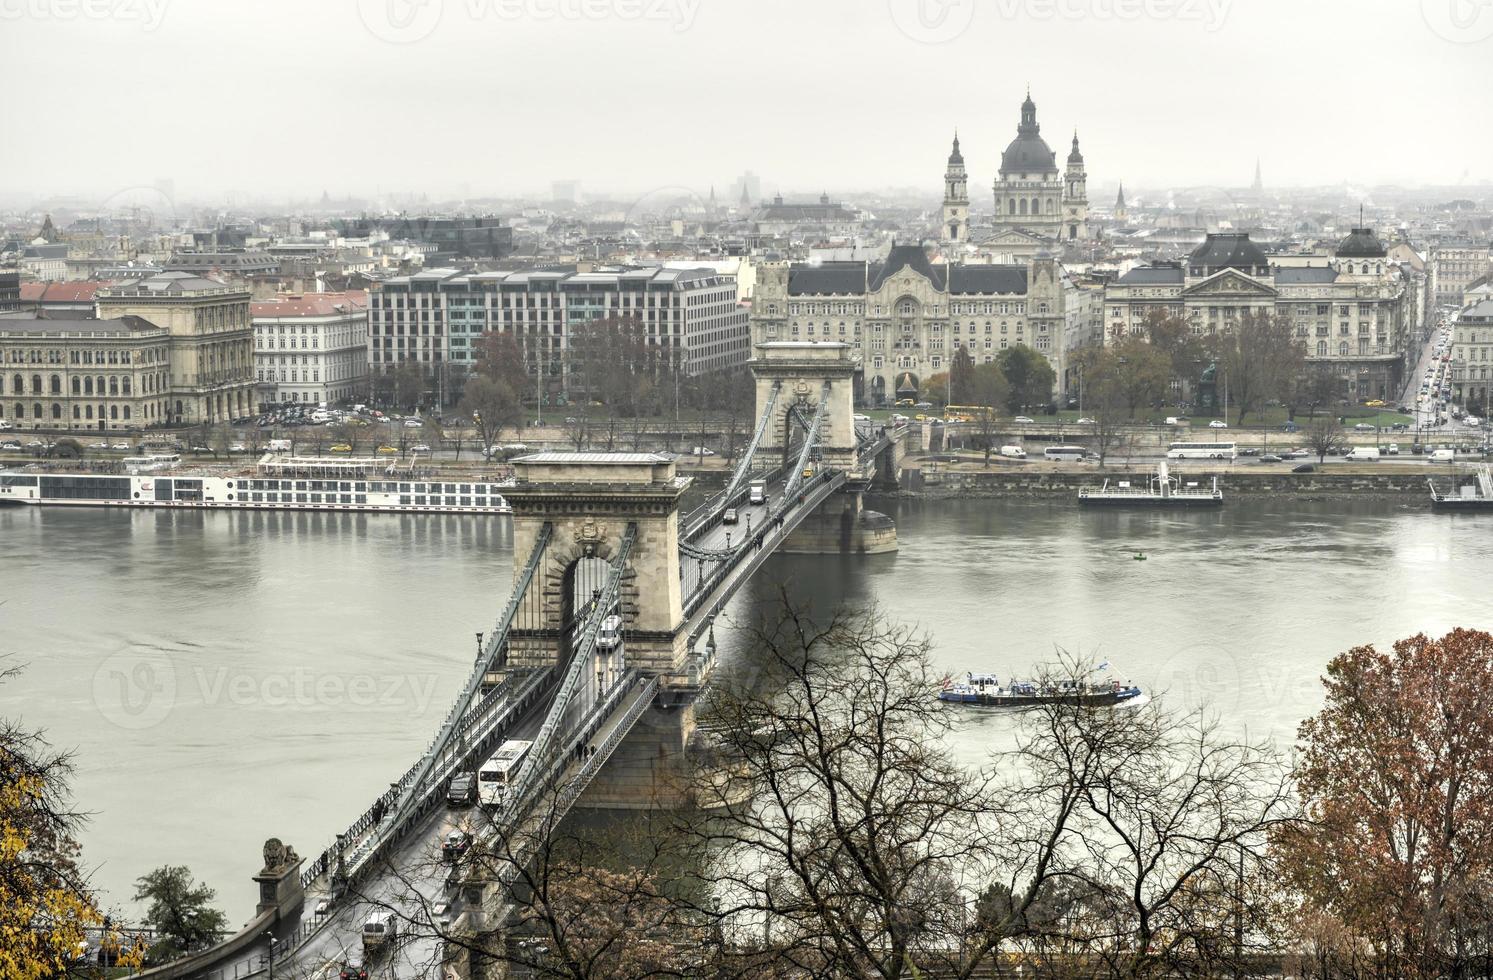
<point>987,691</point>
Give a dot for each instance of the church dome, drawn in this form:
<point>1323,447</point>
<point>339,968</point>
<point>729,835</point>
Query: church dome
<point>1028,152</point>
<point>1362,243</point>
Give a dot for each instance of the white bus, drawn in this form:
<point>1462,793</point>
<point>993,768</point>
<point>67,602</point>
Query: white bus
<point>1070,454</point>
<point>498,772</point>
<point>1202,450</point>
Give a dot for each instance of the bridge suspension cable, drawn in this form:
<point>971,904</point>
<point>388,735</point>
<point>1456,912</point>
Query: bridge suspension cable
<point>811,440</point>
<point>542,751</point>
<point>491,651</point>
<point>744,467</point>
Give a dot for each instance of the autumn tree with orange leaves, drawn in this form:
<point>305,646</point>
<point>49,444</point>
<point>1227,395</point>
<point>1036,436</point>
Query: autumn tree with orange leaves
<point>1396,777</point>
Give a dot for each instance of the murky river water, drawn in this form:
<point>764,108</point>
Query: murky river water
<point>230,677</point>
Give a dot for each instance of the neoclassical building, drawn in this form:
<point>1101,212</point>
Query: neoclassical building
<point>1031,195</point>
<point>1357,313</point>
<point>212,341</point>
<point>904,317</point>
<point>72,371</point>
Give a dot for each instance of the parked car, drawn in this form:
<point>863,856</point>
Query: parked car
<point>1085,421</point>
<point>419,447</point>
<point>387,450</point>
<point>1218,424</point>
<point>1023,419</point>
<point>1305,468</point>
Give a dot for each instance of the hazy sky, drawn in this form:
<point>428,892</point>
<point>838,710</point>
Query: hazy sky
<point>267,98</point>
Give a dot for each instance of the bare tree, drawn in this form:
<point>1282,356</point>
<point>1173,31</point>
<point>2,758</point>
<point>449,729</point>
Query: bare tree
<point>845,824</point>
<point>1325,436</point>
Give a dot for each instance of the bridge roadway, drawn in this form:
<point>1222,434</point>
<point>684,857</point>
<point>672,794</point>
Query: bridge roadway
<point>412,875</point>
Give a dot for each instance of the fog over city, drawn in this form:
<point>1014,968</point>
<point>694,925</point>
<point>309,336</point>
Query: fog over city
<point>274,100</point>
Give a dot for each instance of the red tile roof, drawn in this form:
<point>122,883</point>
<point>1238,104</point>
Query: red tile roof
<point>311,304</point>
<point>60,292</point>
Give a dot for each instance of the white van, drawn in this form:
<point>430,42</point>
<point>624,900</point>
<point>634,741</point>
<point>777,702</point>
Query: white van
<point>1013,452</point>
<point>380,929</point>
<point>6,425</point>
<point>1442,456</point>
<point>611,633</point>
<point>757,494</point>
<point>278,445</point>
<point>1363,453</point>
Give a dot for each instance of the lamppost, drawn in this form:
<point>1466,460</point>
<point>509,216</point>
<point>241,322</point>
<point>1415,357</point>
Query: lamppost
<point>271,937</point>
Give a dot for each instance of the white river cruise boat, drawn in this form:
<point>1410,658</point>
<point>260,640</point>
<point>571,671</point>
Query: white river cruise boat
<point>275,483</point>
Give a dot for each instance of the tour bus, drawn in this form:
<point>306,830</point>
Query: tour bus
<point>1202,450</point>
<point>497,773</point>
<point>1065,454</point>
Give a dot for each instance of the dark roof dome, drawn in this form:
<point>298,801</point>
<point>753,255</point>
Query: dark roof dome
<point>1361,243</point>
<point>1231,250</point>
<point>1074,156</point>
<point>956,157</point>
<point>1029,151</point>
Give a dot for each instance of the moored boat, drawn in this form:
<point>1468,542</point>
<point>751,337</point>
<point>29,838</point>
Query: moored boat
<point>987,691</point>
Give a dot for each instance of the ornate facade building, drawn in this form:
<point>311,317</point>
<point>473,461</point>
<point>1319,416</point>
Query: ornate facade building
<point>212,341</point>
<point>906,316</point>
<point>1358,312</point>
<point>72,371</point>
<point>1031,195</point>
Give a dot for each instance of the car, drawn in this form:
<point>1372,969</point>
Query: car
<point>905,403</point>
<point>701,451</point>
<point>1218,424</point>
<point>1296,454</point>
<point>463,789</point>
<point>201,449</point>
<point>1473,421</point>
<point>1290,427</point>
<point>900,418</point>
<point>1085,421</point>
<point>1305,468</point>
<point>920,417</point>
<point>1374,403</point>
<point>10,445</point>
<point>387,450</point>
<point>413,423</point>
<point>860,418</point>
<point>123,447</point>
<point>1393,449</point>
<point>353,971</point>
<point>1023,419</point>
<point>419,447</point>
<point>238,447</point>
<point>455,845</point>
<point>1249,451</point>
<point>1270,458</point>
<point>1173,420</point>
<point>341,447</point>
<point>1365,427</point>
<point>730,516</point>
<point>923,405</point>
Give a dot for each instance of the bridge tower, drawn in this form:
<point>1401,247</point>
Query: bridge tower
<point>588,500</point>
<point>793,376</point>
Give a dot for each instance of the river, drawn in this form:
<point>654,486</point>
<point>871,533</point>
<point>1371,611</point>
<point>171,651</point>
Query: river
<point>224,678</point>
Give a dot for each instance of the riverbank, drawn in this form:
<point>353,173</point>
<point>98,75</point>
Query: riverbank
<point>1405,484</point>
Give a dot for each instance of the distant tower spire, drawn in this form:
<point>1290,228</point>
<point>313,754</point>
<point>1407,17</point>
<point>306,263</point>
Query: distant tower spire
<point>955,228</point>
<point>1259,184</point>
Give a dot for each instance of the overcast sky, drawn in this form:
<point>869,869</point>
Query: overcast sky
<point>268,98</point>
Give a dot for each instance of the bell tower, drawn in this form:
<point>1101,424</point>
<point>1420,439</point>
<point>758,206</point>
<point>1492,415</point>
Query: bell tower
<point>955,199</point>
<point>1075,196</point>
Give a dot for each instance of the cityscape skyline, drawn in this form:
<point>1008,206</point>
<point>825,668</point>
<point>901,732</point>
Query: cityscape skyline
<point>648,80</point>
